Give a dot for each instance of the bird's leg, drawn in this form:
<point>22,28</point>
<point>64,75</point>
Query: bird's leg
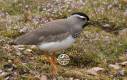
<point>52,61</point>
<point>53,65</point>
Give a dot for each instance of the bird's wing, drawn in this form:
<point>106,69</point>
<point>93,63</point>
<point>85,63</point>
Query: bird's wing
<point>50,33</point>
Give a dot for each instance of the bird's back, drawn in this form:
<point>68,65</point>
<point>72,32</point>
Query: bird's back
<point>49,32</point>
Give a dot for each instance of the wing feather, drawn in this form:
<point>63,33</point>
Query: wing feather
<point>51,32</point>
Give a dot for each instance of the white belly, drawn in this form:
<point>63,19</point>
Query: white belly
<point>53,46</point>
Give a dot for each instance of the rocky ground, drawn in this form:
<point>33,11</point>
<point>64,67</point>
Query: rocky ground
<point>100,53</point>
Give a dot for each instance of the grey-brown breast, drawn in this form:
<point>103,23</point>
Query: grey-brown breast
<point>52,31</point>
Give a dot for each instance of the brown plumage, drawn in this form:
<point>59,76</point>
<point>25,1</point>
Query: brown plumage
<point>52,31</point>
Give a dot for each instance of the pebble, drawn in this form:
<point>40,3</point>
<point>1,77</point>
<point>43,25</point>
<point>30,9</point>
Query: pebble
<point>114,66</point>
<point>124,63</point>
<point>28,50</point>
<point>94,70</point>
<point>43,77</point>
<point>106,25</point>
<point>24,30</point>
<point>71,78</point>
<point>3,74</point>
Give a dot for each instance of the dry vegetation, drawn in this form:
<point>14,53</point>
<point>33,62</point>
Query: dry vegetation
<point>99,53</point>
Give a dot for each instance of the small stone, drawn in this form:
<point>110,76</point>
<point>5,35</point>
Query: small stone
<point>33,47</point>
<point>3,74</point>
<point>114,66</point>
<point>24,30</point>
<point>124,63</point>
<point>9,61</point>
<point>106,25</point>
<point>43,77</point>
<point>28,50</point>
<point>19,47</point>
<point>94,70</point>
<point>71,78</point>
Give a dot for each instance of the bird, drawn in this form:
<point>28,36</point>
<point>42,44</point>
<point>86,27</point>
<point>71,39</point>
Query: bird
<point>56,35</point>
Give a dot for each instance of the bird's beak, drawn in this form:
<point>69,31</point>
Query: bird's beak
<point>90,22</point>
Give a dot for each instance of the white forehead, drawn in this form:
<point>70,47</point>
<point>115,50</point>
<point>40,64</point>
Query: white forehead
<point>78,16</point>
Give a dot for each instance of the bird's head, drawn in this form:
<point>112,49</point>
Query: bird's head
<point>79,18</point>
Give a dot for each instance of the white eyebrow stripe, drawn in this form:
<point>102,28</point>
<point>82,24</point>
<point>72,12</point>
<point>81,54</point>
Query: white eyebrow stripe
<point>79,16</point>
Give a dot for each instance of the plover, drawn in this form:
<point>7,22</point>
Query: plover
<point>55,35</point>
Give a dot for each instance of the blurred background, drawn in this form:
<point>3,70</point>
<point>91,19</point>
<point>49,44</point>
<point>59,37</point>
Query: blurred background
<point>100,53</point>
